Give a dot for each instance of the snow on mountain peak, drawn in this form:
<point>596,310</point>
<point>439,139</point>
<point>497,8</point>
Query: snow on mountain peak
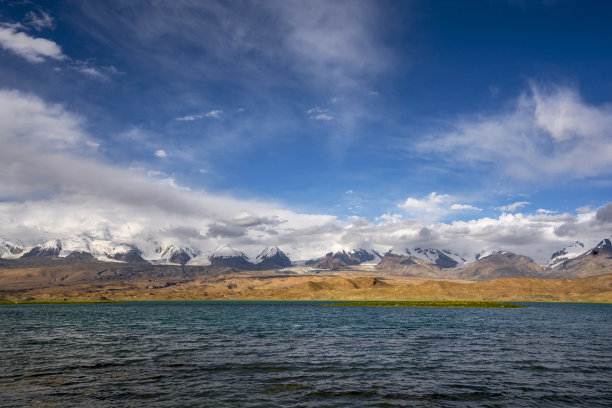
<point>268,252</point>
<point>225,251</point>
<point>571,251</point>
<point>10,249</point>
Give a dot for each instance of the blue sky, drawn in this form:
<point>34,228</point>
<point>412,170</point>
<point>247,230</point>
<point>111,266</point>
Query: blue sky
<point>437,111</point>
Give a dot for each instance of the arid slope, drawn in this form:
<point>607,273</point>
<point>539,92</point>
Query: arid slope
<point>175,283</point>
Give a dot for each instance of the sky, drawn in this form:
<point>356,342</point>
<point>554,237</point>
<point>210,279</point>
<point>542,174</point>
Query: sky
<point>311,125</point>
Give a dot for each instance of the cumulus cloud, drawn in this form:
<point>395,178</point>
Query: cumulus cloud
<point>33,49</point>
<point>434,206</point>
<point>549,132</point>
<point>514,206</point>
<point>161,153</point>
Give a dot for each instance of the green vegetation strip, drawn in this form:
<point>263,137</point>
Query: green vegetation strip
<point>442,303</point>
<point>53,302</point>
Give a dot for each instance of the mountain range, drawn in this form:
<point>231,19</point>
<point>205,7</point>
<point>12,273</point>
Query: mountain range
<point>570,262</point>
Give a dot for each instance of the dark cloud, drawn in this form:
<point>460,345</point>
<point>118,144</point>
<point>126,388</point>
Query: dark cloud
<point>254,221</point>
<point>224,231</point>
<point>604,214</point>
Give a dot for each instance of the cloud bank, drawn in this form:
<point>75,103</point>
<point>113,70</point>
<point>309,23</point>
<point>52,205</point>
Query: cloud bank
<point>57,184</point>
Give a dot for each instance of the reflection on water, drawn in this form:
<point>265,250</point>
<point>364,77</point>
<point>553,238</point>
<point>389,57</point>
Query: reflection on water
<point>257,354</point>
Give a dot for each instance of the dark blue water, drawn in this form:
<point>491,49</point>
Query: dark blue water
<point>262,354</point>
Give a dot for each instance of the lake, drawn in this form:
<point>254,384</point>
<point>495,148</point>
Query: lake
<point>302,354</point>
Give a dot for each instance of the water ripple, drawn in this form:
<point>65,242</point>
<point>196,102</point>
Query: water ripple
<point>298,354</point>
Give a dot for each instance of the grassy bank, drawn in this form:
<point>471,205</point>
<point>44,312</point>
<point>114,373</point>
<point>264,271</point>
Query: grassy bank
<point>53,302</point>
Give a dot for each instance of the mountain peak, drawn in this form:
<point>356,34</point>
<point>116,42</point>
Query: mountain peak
<point>225,251</point>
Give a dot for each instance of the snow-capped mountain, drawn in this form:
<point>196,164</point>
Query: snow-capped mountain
<point>271,258</point>
<point>81,245</point>
<point>442,258</point>
<point>229,257</point>
<point>49,248</point>
<point>11,250</point>
<point>172,254</point>
<point>571,251</point>
<point>487,252</point>
<point>343,258</point>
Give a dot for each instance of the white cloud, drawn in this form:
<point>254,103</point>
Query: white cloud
<point>461,207</point>
<point>334,43</point>
<point>348,192</point>
<point>514,206</point>
<point>213,114</point>
<point>318,113</point>
<point>584,209</point>
<point>550,132</point>
<point>33,49</point>
<point>389,218</point>
<point>433,207</point>
<point>322,116</point>
<point>39,20</point>
<point>99,73</point>
<point>544,211</point>
<point>161,153</point>
<point>189,118</point>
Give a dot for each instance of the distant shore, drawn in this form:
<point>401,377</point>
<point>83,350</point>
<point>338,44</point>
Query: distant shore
<point>88,284</point>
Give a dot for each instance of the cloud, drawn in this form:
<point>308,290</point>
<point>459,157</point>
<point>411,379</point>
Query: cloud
<point>55,184</point>
<point>39,20</point>
<point>544,211</point>
<point>318,113</point>
<point>583,209</point>
<point>549,133</point>
<point>99,73</point>
<point>434,206</point>
<point>161,153</point>
<point>514,206</point>
<point>189,118</point>
<point>33,49</point>
<point>604,214</point>
<point>213,114</point>
<point>459,207</point>
<point>334,43</point>
<point>216,114</point>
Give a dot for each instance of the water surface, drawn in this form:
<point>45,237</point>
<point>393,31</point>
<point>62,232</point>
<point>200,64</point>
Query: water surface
<point>261,354</point>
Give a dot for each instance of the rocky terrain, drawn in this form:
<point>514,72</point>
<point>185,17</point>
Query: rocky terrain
<point>90,268</point>
<point>164,282</point>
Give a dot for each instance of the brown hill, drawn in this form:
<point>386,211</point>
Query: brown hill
<point>72,283</point>
<point>502,265</point>
<point>393,264</point>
